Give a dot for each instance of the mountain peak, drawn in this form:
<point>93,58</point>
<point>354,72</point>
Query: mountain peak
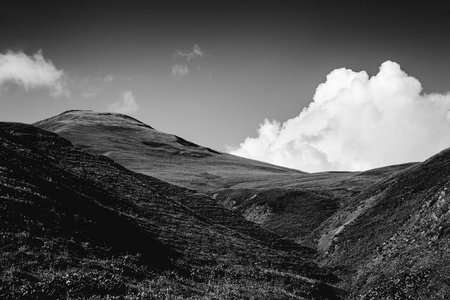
<point>143,149</point>
<point>92,117</point>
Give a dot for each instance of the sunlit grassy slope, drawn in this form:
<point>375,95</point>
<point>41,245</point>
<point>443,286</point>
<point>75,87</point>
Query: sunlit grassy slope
<point>146,150</point>
<point>143,149</point>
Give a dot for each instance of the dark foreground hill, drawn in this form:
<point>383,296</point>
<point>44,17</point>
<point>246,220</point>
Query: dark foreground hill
<point>384,231</point>
<point>289,202</point>
<point>78,225</point>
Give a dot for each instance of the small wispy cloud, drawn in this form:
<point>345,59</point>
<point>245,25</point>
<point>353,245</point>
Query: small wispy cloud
<point>183,58</point>
<point>90,94</point>
<point>32,72</point>
<point>128,104</point>
<point>180,70</point>
<point>108,78</point>
<point>189,54</point>
<point>90,86</point>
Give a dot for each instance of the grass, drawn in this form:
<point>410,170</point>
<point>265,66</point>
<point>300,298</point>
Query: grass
<point>397,248</point>
<point>388,228</point>
<point>298,202</point>
<point>56,271</point>
<point>78,226</point>
<point>374,205</point>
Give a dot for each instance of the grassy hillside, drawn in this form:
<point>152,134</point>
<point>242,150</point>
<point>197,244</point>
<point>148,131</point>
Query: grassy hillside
<point>78,225</point>
<point>288,202</point>
<point>143,149</point>
<point>392,240</point>
<point>383,231</point>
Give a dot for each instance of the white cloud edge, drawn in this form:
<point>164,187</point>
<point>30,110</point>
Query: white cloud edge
<point>357,122</point>
<point>32,72</point>
<point>189,54</point>
<point>180,70</point>
<point>128,105</point>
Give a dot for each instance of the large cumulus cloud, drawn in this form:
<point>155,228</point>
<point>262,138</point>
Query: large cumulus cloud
<point>357,122</point>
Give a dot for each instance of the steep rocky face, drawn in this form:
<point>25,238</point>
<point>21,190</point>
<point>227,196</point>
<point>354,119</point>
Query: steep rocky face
<point>79,225</point>
<point>397,245</point>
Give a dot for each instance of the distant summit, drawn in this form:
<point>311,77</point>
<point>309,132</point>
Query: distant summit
<point>91,117</point>
<point>143,149</point>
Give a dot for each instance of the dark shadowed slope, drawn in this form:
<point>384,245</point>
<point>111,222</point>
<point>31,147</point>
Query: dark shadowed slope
<point>78,225</point>
<point>393,240</point>
<point>286,201</point>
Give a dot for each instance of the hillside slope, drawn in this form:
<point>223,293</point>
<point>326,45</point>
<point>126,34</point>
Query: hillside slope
<point>78,225</point>
<point>146,150</point>
<point>392,241</point>
<point>289,202</point>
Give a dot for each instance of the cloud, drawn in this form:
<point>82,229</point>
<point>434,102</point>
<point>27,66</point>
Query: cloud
<point>91,86</point>
<point>128,104</point>
<point>357,122</point>
<point>180,70</point>
<point>186,56</point>
<point>108,78</point>
<point>189,54</point>
<point>90,94</point>
<point>32,72</point>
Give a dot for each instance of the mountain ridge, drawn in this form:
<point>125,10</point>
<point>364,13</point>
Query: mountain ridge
<point>251,187</point>
<point>377,234</point>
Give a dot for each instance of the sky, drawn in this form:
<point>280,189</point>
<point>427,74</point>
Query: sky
<point>213,73</point>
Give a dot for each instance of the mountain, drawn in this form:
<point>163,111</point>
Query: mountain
<point>152,211</point>
<point>146,150</point>
<point>288,202</point>
<point>78,225</point>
